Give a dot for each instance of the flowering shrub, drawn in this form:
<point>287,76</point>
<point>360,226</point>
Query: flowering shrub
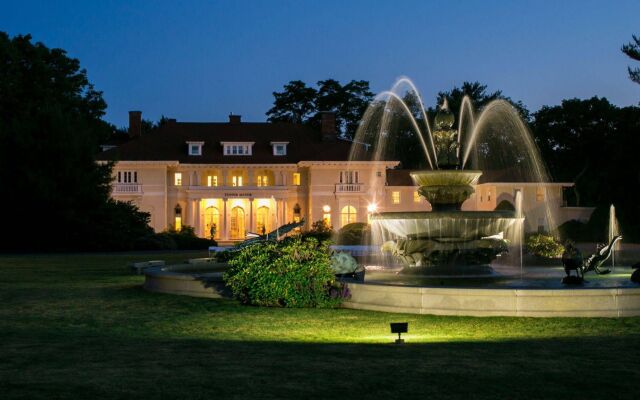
<point>290,273</point>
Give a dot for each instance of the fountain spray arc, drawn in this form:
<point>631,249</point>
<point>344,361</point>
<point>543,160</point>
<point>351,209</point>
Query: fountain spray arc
<point>496,140</point>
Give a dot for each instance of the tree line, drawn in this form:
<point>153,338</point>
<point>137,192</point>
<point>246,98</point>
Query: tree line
<point>56,197</point>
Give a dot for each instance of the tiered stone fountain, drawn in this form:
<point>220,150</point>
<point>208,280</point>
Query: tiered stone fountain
<point>447,240</point>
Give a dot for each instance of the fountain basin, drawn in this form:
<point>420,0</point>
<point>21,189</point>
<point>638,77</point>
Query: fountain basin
<point>444,224</point>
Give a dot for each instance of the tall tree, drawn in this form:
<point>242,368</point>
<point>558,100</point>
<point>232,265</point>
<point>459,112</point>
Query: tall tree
<point>295,104</point>
<point>632,49</point>
<point>299,103</point>
<point>53,192</point>
<point>590,142</point>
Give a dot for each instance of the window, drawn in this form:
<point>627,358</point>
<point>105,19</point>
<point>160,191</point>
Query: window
<point>416,197</point>
<point>262,180</point>
<point>236,180</point>
<point>195,148</point>
<point>296,179</point>
<point>540,194</point>
<point>279,148</point>
<point>127,177</point>
<point>177,179</point>
<point>237,148</point>
<point>263,225</point>
<point>212,180</point>
<point>488,196</point>
<point>395,197</point>
<point>349,177</point>
<point>379,174</point>
<point>347,215</point>
<point>178,218</point>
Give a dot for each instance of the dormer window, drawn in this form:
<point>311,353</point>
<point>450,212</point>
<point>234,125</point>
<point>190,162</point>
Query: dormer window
<point>279,148</point>
<point>237,148</point>
<point>195,148</point>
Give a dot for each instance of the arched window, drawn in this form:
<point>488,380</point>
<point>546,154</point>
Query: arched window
<point>348,215</point>
<point>262,220</point>
<point>237,230</point>
<point>212,222</point>
<point>177,225</point>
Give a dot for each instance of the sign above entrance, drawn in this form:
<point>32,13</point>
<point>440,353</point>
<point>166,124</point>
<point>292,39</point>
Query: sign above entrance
<point>226,195</point>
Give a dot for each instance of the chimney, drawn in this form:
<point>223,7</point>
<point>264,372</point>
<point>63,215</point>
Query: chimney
<point>234,119</point>
<point>328,126</point>
<point>135,124</point>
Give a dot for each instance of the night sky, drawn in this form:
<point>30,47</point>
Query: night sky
<point>201,61</point>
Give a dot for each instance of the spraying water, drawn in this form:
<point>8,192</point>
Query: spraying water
<point>614,231</point>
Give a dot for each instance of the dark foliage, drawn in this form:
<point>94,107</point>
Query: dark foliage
<point>52,191</point>
<point>632,49</point>
<point>299,103</point>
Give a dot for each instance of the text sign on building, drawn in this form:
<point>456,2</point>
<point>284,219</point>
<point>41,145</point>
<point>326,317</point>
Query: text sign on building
<point>238,195</point>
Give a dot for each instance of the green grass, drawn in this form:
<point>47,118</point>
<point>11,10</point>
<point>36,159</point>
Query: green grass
<point>80,326</point>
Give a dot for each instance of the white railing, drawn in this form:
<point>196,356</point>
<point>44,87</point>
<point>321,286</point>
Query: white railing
<point>348,187</point>
<point>127,188</point>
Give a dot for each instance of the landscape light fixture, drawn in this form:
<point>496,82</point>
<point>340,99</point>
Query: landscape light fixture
<point>399,328</point>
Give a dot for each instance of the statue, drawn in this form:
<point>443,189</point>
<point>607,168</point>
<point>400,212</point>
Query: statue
<point>572,261</point>
<point>445,138</point>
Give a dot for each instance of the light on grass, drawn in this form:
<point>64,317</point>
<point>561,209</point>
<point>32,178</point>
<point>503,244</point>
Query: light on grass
<point>399,328</point>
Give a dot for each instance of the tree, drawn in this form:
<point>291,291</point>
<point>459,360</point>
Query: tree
<point>298,103</point>
<point>54,194</point>
<point>632,49</point>
<point>591,143</point>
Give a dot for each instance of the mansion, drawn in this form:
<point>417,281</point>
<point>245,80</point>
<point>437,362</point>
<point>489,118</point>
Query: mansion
<point>231,178</point>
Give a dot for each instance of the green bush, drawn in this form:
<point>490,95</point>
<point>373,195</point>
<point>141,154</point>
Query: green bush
<point>184,239</point>
<point>544,246</point>
<point>289,273</point>
<point>320,231</point>
<point>353,234</point>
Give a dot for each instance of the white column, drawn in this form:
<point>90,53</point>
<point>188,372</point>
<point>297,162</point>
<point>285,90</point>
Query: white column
<point>224,179</point>
<point>197,227</point>
<point>250,181</point>
<point>251,227</point>
<point>225,228</point>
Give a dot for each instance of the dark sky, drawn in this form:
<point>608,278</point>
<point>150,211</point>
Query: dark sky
<point>199,61</point>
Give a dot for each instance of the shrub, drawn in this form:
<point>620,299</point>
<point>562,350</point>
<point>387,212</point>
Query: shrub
<point>320,231</point>
<point>353,234</point>
<point>186,239</point>
<point>289,273</point>
<point>544,246</point>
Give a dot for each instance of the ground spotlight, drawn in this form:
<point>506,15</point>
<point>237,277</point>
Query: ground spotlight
<point>399,328</point>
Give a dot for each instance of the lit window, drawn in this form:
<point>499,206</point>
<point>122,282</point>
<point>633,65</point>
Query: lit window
<point>327,219</point>
<point>212,180</point>
<point>416,197</point>
<point>178,218</point>
<point>296,179</point>
<point>236,180</point>
<point>177,179</point>
<point>395,197</point>
<point>262,180</point>
<point>540,194</point>
<point>347,215</point>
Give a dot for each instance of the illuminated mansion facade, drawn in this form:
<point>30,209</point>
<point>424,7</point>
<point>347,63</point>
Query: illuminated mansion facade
<point>228,179</point>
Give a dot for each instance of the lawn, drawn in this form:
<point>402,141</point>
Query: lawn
<point>80,326</point>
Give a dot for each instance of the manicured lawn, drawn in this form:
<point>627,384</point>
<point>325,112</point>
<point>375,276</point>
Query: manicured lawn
<point>80,326</point>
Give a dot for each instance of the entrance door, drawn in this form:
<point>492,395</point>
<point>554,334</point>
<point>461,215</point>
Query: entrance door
<point>237,223</point>
<point>262,220</point>
<point>212,222</point>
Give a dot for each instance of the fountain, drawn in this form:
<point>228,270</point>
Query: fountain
<point>447,240</point>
